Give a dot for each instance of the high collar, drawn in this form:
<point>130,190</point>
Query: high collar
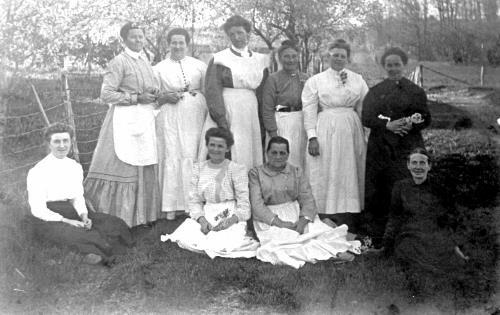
<point>271,172</point>
<point>245,52</point>
<point>134,54</point>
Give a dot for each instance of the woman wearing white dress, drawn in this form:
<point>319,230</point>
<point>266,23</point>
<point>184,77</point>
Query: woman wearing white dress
<point>234,83</point>
<point>218,203</point>
<point>180,122</point>
<point>332,102</point>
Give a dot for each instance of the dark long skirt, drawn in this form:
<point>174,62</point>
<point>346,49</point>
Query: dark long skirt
<point>108,236</point>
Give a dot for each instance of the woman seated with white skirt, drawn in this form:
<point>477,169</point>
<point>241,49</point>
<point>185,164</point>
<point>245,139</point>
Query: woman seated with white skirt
<point>285,215</point>
<point>218,204</point>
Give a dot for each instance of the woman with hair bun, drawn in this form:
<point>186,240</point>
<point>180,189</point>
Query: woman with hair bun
<point>180,121</point>
<point>332,102</point>
<point>282,105</point>
<point>234,81</point>
<point>396,111</point>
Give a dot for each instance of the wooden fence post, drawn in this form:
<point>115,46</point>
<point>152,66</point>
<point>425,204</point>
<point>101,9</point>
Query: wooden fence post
<point>421,75</point>
<point>69,111</point>
<point>40,106</point>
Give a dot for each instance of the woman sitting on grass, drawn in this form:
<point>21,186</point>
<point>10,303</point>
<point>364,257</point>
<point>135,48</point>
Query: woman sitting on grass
<point>218,204</point>
<point>418,231</point>
<point>285,215</point>
<point>60,216</point>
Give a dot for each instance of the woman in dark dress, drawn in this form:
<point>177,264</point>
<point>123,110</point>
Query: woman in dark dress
<point>395,110</point>
<point>419,229</point>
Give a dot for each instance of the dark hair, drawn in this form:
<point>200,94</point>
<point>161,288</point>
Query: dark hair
<point>127,27</point>
<point>237,20</point>
<point>219,133</point>
<point>287,44</point>
<point>394,51</point>
<point>341,44</point>
<point>419,150</point>
<point>57,128</point>
<point>278,140</point>
<point>178,31</point>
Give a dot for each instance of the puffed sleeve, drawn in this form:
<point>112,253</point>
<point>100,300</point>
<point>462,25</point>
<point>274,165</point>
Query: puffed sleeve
<point>239,178</point>
<point>110,90</point>
<point>37,197</point>
<point>268,105</point>
<point>305,198</point>
<point>310,107</point>
<point>196,201</point>
<point>213,94</point>
<point>260,211</point>
<point>79,200</point>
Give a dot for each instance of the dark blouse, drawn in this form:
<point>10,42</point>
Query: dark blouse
<point>394,99</point>
<point>283,89</point>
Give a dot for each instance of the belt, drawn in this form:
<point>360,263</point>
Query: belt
<point>281,108</point>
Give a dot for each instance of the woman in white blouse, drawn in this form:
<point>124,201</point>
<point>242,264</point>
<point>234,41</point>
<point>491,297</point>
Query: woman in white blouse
<point>335,164</point>
<point>60,216</point>
<point>180,122</point>
<point>218,203</point>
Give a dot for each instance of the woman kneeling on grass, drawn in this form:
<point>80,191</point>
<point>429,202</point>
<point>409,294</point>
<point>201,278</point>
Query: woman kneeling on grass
<point>218,204</point>
<point>418,231</point>
<point>285,215</point>
<point>60,216</point>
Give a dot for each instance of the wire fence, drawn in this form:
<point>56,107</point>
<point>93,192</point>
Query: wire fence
<point>22,125</point>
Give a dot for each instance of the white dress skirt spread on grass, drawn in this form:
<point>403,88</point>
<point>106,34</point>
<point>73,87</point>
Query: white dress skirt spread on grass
<point>218,191</point>
<point>337,175</point>
<point>281,246</point>
<point>179,128</point>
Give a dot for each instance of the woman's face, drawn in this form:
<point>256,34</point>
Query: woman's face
<point>338,58</point>
<point>394,67</point>
<point>178,47</point>
<point>135,39</point>
<point>59,144</point>
<point>419,166</point>
<point>238,36</point>
<point>289,59</point>
<point>217,148</point>
<point>277,155</point>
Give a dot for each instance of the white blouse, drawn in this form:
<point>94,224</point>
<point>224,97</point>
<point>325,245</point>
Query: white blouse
<point>176,75</point>
<point>326,90</point>
<point>54,179</point>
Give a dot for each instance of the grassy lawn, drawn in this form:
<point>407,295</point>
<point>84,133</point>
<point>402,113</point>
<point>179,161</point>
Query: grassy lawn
<point>157,277</point>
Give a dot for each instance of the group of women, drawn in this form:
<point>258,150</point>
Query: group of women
<point>181,136</point>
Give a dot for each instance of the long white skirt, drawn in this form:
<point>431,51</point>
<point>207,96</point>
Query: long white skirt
<point>281,246</point>
<point>230,243</point>
<point>337,175</point>
<point>291,127</point>
<point>179,128</point>
<point>243,119</point>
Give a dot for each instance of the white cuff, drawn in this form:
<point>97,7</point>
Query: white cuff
<point>311,133</point>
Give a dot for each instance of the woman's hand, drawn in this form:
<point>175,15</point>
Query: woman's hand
<point>283,224</point>
<point>146,98</point>
<point>226,223</point>
<point>205,225</point>
<point>273,133</point>
<point>313,146</point>
<point>87,223</point>
<point>75,223</point>
<point>301,225</point>
<point>170,97</point>
<point>399,126</point>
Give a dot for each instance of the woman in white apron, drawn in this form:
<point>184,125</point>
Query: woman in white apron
<point>180,122</point>
<point>285,217</point>
<point>218,204</point>
<point>122,178</point>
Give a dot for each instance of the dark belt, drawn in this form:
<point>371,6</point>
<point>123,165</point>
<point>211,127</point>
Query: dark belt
<point>289,109</point>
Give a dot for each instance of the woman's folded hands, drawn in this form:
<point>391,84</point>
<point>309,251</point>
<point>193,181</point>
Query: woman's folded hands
<point>222,225</point>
